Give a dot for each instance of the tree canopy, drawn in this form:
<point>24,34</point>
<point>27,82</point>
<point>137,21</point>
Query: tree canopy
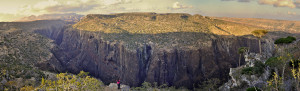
<point>286,40</point>
<point>242,50</point>
<point>259,33</point>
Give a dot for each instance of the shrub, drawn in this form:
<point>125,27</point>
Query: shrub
<point>28,76</point>
<point>291,38</point>
<point>258,69</point>
<point>146,85</point>
<point>248,71</point>
<point>273,62</point>
<point>253,89</point>
<point>286,40</point>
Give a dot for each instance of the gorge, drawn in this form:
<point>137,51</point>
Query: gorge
<point>206,56</point>
<point>176,49</point>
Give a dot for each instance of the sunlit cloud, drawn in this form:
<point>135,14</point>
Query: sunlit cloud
<point>54,6</point>
<point>275,3</point>
<point>238,0</point>
<point>251,8</point>
<point>9,17</point>
<point>178,5</point>
<point>69,6</point>
<point>279,3</point>
<point>292,13</point>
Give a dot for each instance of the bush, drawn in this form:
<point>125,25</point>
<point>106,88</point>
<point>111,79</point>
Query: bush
<point>286,40</point>
<point>273,62</point>
<point>28,76</point>
<point>258,69</point>
<point>248,71</point>
<point>253,89</point>
<point>291,38</point>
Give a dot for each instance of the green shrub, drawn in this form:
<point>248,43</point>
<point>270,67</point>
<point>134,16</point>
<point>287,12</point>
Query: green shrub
<point>146,85</point>
<point>253,89</point>
<point>291,38</point>
<point>258,68</point>
<point>28,76</point>
<point>248,71</point>
<point>286,40</point>
<point>273,62</point>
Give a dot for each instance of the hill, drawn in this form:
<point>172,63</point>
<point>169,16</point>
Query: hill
<point>153,23</point>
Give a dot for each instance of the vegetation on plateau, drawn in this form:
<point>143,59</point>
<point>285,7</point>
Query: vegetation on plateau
<point>153,23</point>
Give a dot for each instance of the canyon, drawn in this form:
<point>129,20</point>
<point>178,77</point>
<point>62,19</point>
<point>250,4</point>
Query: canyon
<point>175,56</point>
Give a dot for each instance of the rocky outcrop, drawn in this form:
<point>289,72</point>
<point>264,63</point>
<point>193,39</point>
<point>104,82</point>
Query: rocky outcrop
<point>109,60</point>
<point>240,81</point>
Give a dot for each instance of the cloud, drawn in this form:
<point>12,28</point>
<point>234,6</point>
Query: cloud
<point>291,13</point>
<point>177,5</point>
<point>275,3</point>
<point>244,0</point>
<point>297,3</point>
<point>279,3</point>
<point>115,2</point>
<point>227,0</point>
<point>4,17</point>
<point>54,6</point>
<point>238,0</point>
<point>69,6</point>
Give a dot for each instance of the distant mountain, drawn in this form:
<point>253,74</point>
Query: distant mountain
<point>275,25</point>
<point>69,17</point>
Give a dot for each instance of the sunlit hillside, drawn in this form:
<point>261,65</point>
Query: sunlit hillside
<point>153,23</point>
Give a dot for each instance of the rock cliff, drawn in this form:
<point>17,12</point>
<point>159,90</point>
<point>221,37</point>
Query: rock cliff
<point>177,56</point>
<point>111,50</point>
<point>108,60</point>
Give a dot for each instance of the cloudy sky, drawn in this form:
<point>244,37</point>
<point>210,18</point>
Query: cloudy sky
<point>273,9</point>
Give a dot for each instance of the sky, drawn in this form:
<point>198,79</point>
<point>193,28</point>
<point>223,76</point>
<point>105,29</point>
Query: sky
<point>11,10</point>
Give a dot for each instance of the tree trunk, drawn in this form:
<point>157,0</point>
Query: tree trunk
<point>297,83</point>
<point>240,60</point>
<point>283,72</point>
<point>259,44</point>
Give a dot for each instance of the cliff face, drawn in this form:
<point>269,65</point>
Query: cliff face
<point>108,60</point>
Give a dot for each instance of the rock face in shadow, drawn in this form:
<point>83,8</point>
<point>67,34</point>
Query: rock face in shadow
<point>109,60</point>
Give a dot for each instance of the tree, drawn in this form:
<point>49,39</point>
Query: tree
<point>275,82</point>
<point>259,34</point>
<point>286,40</point>
<point>69,82</point>
<point>296,73</point>
<point>241,51</point>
